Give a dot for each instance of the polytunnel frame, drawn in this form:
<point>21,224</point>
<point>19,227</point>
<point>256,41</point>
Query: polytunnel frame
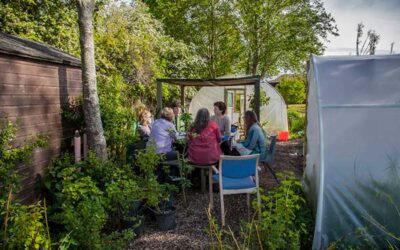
<point>218,82</point>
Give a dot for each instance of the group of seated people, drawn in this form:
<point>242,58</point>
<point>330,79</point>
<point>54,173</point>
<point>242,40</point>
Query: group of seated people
<point>207,138</point>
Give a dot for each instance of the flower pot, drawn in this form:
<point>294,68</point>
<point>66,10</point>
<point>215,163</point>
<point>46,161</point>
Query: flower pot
<point>166,220</point>
<point>140,228</point>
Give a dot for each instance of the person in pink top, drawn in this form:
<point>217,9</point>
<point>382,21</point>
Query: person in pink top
<point>203,140</point>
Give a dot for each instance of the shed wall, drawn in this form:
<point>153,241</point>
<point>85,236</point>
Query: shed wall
<point>31,94</point>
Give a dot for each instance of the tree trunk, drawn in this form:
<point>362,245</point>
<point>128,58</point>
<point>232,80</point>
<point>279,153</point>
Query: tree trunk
<point>91,109</point>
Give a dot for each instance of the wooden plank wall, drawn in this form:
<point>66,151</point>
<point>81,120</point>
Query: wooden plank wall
<point>31,94</point>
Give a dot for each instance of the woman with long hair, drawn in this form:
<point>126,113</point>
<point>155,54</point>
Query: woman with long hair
<point>203,139</point>
<point>255,141</point>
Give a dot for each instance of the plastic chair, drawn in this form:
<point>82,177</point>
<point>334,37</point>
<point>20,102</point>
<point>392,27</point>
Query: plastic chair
<point>271,157</point>
<point>237,175</point>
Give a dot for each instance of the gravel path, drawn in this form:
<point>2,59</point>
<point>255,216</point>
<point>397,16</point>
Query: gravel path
<point>191,230</point>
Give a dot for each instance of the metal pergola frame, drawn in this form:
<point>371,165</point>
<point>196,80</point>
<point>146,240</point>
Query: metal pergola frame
<point>219,82</point>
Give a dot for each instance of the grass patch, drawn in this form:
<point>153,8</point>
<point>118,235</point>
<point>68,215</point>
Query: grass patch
<point>300,108</point>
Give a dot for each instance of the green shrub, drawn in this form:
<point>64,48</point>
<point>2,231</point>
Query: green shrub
<point>296,124</point>
<point>22,227</point>
<point>90,198</point>
<point>286,221</point>
<point>293,89</point>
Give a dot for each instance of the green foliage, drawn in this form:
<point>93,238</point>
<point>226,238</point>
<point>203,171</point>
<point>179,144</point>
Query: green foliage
<point>50,21</point>
<point>78,203</point>
<point>117,113</point>
<point>23,227</point>
<point>187,120</point>
<point>89,196</point>
<point>11,156</point>
<point>211,26</point>
<point>286,222</point>
<point>293,89</point>
<point>281,34</point>
<point>281,225</point>
<point>252,37</point>
<point>264,100</point>
<point>296,124</point>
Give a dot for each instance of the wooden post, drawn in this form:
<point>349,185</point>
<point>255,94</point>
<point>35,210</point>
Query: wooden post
<point>85,146</point>
<point>77,146</point>
<point>159,98</point>
<point>257,98</point>
<point>183,98</point>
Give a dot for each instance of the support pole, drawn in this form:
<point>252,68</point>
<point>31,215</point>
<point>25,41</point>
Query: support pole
<point>77,146</point>
<point>257,98</point>
<point>183,98</point>
<point>159,98</point>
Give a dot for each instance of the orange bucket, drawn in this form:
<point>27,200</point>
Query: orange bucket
<point>283,135</point>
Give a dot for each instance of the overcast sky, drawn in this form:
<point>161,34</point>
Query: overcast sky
<point>383,16</point>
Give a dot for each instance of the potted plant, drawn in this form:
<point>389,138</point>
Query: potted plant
<point>165,211</point>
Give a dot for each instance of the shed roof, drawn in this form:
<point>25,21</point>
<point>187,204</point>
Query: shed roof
<point>248,80</point>
<point>13,45</point>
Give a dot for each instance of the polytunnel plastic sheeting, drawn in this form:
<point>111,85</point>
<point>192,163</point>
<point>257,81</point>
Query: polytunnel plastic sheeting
<point>352,175</point>
<point>275,113</point>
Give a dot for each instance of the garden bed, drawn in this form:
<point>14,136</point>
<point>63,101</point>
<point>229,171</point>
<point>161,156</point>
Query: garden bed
<point>190,232</point>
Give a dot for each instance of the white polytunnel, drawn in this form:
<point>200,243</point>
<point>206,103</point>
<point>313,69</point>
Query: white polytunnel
<point>352,175</point>
<point>273,116</point>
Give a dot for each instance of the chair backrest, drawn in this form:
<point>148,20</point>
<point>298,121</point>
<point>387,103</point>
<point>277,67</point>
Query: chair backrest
<point>238,166</point>
<point>271,150</point>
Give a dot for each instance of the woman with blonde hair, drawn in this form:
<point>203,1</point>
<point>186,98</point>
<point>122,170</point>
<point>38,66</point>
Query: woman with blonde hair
<point>144,125</point>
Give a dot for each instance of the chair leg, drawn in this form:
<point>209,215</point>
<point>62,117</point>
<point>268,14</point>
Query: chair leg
<point>222,207</point>
<point>272,172</point>
<point>210,188</point>
<point>203,181</point>
<point>248,205</point>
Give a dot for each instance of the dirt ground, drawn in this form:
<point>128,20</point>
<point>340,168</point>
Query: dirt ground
<point>192,223</point>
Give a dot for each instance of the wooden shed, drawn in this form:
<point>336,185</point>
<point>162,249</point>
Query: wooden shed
<point>35,80</point>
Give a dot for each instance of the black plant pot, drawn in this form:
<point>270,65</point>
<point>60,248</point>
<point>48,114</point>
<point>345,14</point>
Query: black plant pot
<point>166,220</point>
<point>140,228</point>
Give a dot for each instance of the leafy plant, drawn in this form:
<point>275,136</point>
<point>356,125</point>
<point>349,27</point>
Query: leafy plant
<point>264,99</point>
<point>187,120</point>
<point>286,222</point>
<point>184,170</point>
<point>293,89</point>
<point>90,200</point>
<point>296,124</point>
<point>22,227</point>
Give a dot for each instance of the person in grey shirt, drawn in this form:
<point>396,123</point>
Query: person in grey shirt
<point>221,119</point>
<point>224,124</point>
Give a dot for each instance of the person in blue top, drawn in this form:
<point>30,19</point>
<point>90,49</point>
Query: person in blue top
<point>255,141</point>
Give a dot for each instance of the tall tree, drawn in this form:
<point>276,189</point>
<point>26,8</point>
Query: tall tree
<point>210,25</point>
<point>281,34</point>
<point>91,107</point>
